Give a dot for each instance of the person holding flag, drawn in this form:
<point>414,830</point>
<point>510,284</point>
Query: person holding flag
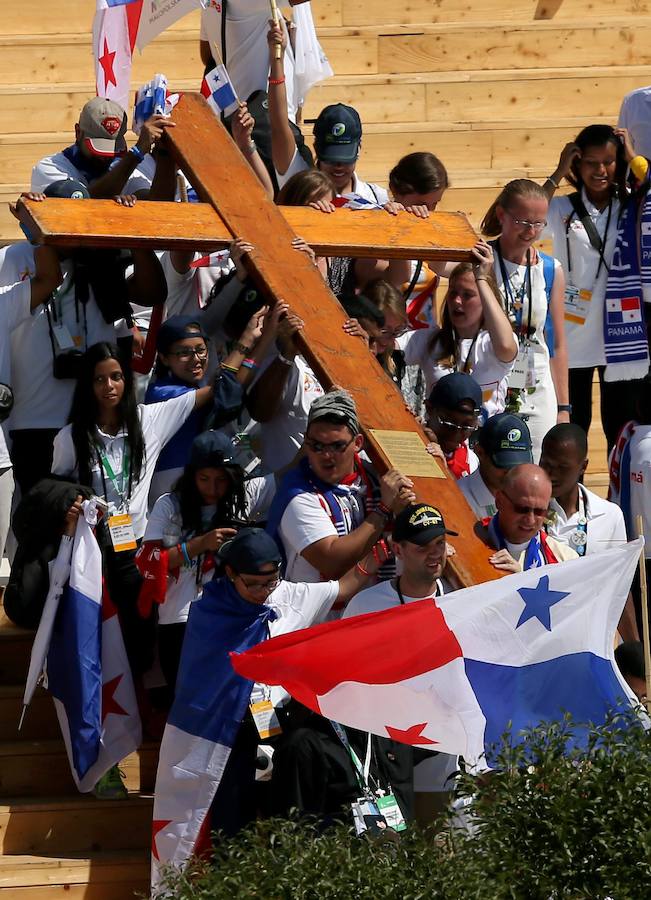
<point>206,769</point>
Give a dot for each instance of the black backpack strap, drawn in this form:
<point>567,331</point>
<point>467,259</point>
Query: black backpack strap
<point>583,216</point>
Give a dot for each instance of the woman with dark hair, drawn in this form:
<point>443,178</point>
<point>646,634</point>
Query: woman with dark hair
<point>185,529</point>
<point>584,225</point>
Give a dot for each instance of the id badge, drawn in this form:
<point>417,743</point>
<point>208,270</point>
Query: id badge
<point>265,718</point>
<point>531,367</point>
<point>518,377</point>
<point>388,807</point>
<point>62,336</point>
<point>577,304</point>
<point>122,534</point>
<point>367,816</point>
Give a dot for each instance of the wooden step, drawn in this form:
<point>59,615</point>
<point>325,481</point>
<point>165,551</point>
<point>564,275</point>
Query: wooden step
<point>40,721</point>
<point>36,768</point>
<point>99,876</point>
<point>74,825</point>
<point>15,649</point>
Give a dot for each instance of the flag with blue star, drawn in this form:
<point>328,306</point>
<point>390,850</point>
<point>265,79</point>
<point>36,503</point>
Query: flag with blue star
<point>538,602</point>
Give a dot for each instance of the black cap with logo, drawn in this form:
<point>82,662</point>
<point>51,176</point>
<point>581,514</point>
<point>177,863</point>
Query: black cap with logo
<point>506,440</point>
<point>338,134</point>
<point>420,523</point>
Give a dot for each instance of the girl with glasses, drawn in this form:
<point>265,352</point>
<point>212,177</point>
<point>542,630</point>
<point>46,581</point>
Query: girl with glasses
<point>531,288</point>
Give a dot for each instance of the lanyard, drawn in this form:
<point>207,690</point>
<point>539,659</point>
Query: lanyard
<point>466,366</point>
<point>436,593</point>
<point>579,537</point>
<point>105,467</point>
<point>510,299</point>
<point>362,772</point>
<point>599,248</point>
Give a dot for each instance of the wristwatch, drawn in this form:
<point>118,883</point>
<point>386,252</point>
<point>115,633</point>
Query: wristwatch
<point>565,407</point>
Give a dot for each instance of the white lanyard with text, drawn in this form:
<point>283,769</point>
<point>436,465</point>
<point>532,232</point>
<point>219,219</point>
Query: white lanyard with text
<point>362,772</point>
<point>579,537</point>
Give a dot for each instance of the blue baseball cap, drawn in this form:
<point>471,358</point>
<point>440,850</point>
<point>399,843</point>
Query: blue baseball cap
<point>506,440</point>
<point>211,449</point>
<point>454,389</point>
<point>249,550</point>
<point>178,328</point>
<point>338,134</point>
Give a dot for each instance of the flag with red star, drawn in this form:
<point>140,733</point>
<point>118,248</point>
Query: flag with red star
<point>457,672</point>
<point>87,669</point>
<point>115,29</point>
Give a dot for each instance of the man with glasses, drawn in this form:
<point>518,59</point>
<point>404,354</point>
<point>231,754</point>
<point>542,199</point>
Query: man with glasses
<point>331,511</point>
<point>453,411</point>
<point>516,531</point>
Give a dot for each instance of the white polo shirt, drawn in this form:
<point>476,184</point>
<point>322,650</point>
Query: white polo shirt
<point>58,168</point>
<point>385,596</point>
<point>480,499</point>
<point>477,357</point>
<point>585,342</point>
<point>15,308</point>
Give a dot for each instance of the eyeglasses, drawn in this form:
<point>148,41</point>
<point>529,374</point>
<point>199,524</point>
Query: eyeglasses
<point>335,447</point>
<point>525,223</point>
<point>394,333</point>
<point>187,353</point>
<point>261,586</point>
<point>465,429</point>
<point>538,511</point>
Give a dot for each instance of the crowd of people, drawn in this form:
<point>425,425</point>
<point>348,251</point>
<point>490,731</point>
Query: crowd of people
<point>224,458</point>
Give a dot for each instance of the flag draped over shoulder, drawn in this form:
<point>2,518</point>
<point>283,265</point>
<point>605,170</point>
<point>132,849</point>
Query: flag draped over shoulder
<point>88,672</point>
<point>457,673</point>
<point>209,705</point>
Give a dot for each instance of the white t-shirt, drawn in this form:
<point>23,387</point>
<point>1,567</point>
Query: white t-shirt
<point>305,521</point>
<point>188,292</point>
<point>58,168</point>
<point>282,437</point>
<point>605,523</point>
<point>479,497</point>
<point>159,421</point>
<point>15,308</point>
<point>383,596</point>
<point>165,525</point>
<point>298,606</point>
<point>40,400</point>
<point>640,481</point>
<point>585,342</point>
<point>490,374</point>
<point>371,192</point>
<point>635,115</point>
<point>247,51</point>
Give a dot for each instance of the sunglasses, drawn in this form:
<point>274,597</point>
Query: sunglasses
<point>260,586</point>
<point>461,429</point>
<point>537,511</point>
<point>335,447</point>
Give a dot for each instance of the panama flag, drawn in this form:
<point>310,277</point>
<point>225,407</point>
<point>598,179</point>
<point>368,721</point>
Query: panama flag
<point>115,28</point>
<point>218,90</point>
<point>87,669</point>
<point>456,673</point>
<point>623,309</point>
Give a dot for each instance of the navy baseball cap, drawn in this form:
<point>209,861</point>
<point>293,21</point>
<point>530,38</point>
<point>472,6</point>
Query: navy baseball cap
<point>67,189</point>
<point>338,134</point>
<point>506,440</point>
<point>452,390</point>
<point>249,550</point>
<point>211,449</point>
<point>420,523</point>
<point>178,328</point>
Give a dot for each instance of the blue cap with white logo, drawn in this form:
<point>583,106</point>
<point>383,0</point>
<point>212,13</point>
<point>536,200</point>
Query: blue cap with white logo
<point>506,440</point>
<point>338,134</point>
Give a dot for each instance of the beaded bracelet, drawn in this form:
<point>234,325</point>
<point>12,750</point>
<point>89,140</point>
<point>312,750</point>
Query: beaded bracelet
<point>277,80</point>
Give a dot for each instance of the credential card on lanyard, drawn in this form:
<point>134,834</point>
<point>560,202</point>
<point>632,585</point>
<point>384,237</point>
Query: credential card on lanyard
<point>122,534</point>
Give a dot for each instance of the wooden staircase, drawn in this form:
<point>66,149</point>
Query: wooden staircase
<point>53,840</point>
<point>493,87</point>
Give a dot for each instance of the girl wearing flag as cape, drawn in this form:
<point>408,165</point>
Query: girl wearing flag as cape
<point>206,770</point>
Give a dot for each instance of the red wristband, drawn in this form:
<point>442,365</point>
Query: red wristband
<point>277,80</point>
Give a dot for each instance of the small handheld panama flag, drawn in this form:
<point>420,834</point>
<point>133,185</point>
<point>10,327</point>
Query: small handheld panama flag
<point>87,669</point>
<point>218,90</point>
<point>152,99</point>
<point>457,673</point>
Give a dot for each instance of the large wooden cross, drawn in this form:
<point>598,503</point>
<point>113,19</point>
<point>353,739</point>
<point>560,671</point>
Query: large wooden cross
<point>235,205</point>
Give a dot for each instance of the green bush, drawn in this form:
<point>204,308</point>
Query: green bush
<point>554,823</point>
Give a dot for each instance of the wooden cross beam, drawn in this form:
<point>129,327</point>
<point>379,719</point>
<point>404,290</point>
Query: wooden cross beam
<point>223,179</point>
